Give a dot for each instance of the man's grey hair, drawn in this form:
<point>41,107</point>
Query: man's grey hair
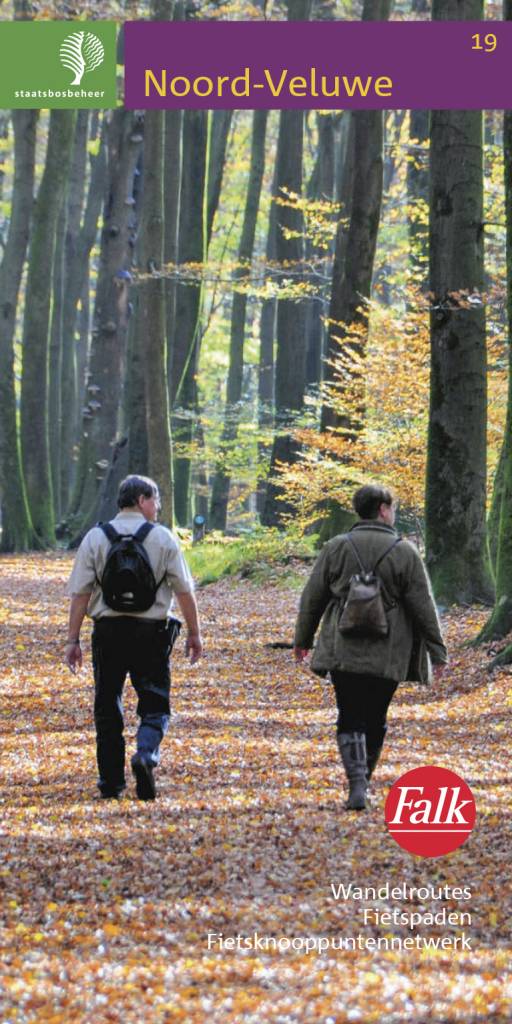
<point>133,487</point>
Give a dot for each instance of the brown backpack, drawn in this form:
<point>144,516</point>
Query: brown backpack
<point>363,612</point>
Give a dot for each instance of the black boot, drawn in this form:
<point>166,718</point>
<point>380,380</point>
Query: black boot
<point>352,747</point>
<point>372,757</point>
<point>374,744</point>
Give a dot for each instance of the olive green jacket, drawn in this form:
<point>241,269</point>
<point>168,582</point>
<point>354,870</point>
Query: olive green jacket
<point>414,631</point>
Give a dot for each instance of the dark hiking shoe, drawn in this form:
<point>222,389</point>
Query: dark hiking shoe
<point>144,781</point>
<point>110,792</point>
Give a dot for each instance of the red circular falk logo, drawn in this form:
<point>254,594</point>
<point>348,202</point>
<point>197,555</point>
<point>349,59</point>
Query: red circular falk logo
<point>430,811</point>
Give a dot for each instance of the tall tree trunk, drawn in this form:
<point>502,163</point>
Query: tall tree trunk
<point>151,312</point>
<point>291,334</point>
<point>418,177</point>
<point>204,145</point>
<point>417,193</point>
<point>355,248</point>
<point>290,372</point>
<point>266,355</point>
<point>220,125</point>
<point>172,189</point>
<point>500,622</point>
<point>63,391</point>
<point>493,519</point>
<point>321,187</point>
<point>361,199</point>
<point>392,123</point>
<point>191,246</point>
<point>173,146</point>
<point>4,135</point>
<point>185,347</point>
<point>355,253</point>
<point>55,395</point>
<point>34,386</point>
<point>456,462</point>
<point>105,373</point>
<point>17,530</point>
<point>222,479</point>
<point>80,239</point>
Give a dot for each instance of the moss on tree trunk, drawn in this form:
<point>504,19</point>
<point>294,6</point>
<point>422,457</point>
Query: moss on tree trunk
<point>36,328</point>
<point>17,529</point>
<point>500,622</point>
<point>456,544</point>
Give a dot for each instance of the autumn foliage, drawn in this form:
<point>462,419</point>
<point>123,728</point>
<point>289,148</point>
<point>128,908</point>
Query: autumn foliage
<point>107,906</point>
<point>380,393</point>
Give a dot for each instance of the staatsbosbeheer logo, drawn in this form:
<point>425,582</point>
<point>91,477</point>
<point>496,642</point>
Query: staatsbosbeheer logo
<point>81,52</point>
<point>58,64</point>
<point>430,811</point>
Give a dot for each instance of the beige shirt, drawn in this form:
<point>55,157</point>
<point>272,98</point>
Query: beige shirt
<point>165,556</point>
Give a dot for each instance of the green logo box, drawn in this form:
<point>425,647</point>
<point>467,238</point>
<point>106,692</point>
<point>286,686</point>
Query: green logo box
<point>58,64</point>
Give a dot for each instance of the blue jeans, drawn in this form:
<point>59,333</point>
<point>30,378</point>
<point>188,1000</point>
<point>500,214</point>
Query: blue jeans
<point>141,648</point>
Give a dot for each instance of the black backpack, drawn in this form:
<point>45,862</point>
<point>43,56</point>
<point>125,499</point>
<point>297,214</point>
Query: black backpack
<point>128,583</point>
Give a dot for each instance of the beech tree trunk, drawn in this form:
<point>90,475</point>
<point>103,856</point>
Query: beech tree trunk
<point>185,345</point>
<point>500,622</point>
<point>222,479</point>
<point>172,193</point>
<point>361,185</point>
<point>290,371</point>
<point>266,354</point>
<point>290,329</point>
<point>355,248</point>
<point>355,255</point>
<point>105,372</point>
<point>79,241</point>
<point>321,187</point>
<point>151,312</point>
<point>55,357</point>
<point>418,177</point>
<point>4,135</point>
<point>62,334</point>
<point>17,529</point>
<point>417,194</point>
<point>204,147</point>
<point>456,464</point>
<point>36,327</point>
<point>172,190</point>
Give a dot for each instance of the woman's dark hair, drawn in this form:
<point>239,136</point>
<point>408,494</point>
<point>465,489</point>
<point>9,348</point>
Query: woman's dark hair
<point>131,489</point>
<point>368,499</point>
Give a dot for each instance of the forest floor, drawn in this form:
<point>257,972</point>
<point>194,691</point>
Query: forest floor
<point>107,906</point>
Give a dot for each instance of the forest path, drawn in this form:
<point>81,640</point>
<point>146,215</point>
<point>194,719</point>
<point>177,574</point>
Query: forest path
<point>107,906</point>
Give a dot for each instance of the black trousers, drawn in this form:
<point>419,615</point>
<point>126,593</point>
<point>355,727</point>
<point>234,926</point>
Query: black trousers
<point>363,703</point>
<point>140,648</point>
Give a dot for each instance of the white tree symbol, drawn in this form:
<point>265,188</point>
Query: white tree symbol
<point>81,52</point>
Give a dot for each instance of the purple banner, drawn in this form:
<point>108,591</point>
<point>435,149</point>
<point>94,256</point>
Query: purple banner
<point>319,65</point>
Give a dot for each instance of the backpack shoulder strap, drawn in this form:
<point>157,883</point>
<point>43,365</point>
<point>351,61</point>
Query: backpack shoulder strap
<point>109,531</point>
<point>143,531</point>
<point>141,535</point>
<point>356,552</point>
<point>386,552</point>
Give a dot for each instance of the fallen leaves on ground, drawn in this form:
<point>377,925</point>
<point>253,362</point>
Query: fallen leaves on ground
<point>107,906</point>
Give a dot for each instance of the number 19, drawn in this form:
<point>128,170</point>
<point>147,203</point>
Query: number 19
<point>488,44</point>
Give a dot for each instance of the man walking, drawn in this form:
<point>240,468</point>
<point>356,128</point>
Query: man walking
<point>380,626</point>
<point>124,577</point>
